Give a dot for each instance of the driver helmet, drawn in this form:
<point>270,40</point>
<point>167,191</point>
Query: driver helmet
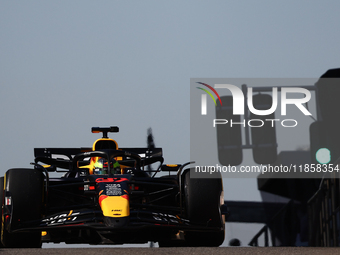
<point>101,167</point>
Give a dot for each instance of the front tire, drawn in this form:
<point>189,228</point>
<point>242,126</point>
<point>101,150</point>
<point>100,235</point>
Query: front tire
<point>1,204</point>
<point>202,201</point>
<point>25,186</point>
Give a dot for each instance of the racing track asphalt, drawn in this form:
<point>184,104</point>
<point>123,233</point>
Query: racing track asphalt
<point>180,251</point>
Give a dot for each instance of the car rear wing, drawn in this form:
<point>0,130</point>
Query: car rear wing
<point>62,157</point>
<point>59,152</point>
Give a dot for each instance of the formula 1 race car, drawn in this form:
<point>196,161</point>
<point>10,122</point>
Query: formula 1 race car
<point>109,195</point>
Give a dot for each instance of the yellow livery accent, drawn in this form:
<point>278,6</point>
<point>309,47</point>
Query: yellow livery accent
<point>104,143</point>
<point>115,206</point>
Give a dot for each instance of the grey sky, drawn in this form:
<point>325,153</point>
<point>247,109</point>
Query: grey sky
<point>69,65</point>
<point>66,66</point>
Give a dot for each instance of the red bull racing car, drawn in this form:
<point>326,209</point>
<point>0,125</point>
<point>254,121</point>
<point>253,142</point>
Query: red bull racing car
<point>109,195</point>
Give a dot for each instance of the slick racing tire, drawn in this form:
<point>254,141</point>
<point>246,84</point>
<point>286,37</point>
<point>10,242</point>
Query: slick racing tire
<point>1,203</point>
<point>25,188</point>
<point>202,201</point>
